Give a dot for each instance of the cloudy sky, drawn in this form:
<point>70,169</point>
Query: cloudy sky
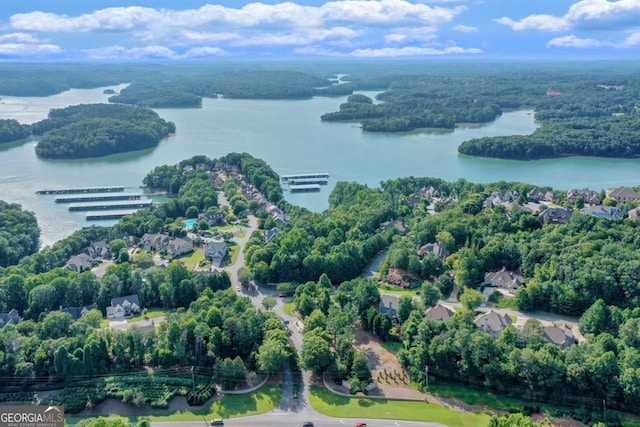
<point>110,30</point>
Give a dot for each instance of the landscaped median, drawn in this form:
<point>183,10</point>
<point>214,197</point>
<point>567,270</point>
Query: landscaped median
<point>328,403</point>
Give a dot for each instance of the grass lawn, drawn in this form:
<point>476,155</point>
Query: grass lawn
<point>333,405</point>
<point>475,397</point>
<point>234,250</point>
<point>507,302</point>
<point>230,406</point>
<point>392,346</point>
<point>156,312</point>
<point>241,234</point>
<point>288,308</point>
<point>396,290</point>
<point>193,259</point>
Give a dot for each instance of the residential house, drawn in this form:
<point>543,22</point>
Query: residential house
<point>634,213</point>
<point>433,248</point>
<point>606,212</point>
<point>154,241</point>
<point>12,317</point>
<point>560,336</point>
<point>541,195</point>
<point>623,194</point>
<point>269,235</point>
<point>213,219</point>
<point>503,279</point>
<point>555,216</point>
<point>439,312</point>
<point>397,224</point>
<point>501,198</point>
<point>428,192</point>
<point>215,250</point>
<point>77,312</point>
<point>277,214</point>
<point>129,240</point>
<point>179,246</point>
<point>122,307</point>
<point>389,305</point>
<point>80,262</point>
<point>590,197</point>
<point>493,323</point>
<point>99,250</point>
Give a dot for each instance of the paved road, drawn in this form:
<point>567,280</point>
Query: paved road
<point>284,420</point>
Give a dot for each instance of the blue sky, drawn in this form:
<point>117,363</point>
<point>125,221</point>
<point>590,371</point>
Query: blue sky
<point>103,30</point>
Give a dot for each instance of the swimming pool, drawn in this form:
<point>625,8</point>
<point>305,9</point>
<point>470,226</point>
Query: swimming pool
<point>190,223</point>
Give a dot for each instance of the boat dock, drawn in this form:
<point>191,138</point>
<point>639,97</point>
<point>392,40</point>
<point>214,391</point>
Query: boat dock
<point>80,190</point>
<point>111,205</point>
<point>305,181</point>
<point>96,197</point>
<point>299,176</point>
<point>304,188</point>
<point>93,216</point>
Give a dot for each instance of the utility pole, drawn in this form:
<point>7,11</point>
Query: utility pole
<point>426,376</point>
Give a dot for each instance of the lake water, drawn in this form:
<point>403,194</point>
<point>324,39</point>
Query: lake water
<point>291,138</point>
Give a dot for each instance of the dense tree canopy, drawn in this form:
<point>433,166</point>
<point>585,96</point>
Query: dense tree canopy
<point>93,130</point>
<point>19,233</point>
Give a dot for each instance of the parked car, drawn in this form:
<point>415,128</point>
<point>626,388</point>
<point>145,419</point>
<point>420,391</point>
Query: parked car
<point>361,424</point>
<point>307,424</point>
<point>217,422</point>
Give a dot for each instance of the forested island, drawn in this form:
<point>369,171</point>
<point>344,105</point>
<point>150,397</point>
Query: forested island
<point>94,130</point>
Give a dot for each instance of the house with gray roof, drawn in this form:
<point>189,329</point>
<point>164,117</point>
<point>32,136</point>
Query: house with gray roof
<point>555,216</point>
<point>80,262</point>
<point>433,248</point>
<point>99,250</point>
<point>560,336</point>
<point>389,305</point>
<point>122,307</point>
<point>606,212</point>
<point>154,241</point>
<point>179,246</point>
<point>590,197</point>
<point>501,198</point>
<point>504,279</point>
<point>12,317</point>
<point>215,250</point>
<point>77,312</point>
<point>269,235</point>
<point>538,194</point>
<point>439,312</point>
<point>634,213</point>
<point>493,323</point>
<point>623,194</point>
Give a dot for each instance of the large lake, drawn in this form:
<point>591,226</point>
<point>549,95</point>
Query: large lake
<point>291,138</point>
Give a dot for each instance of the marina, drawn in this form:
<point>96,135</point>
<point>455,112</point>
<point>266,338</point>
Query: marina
<point>93,216</point>
<point>305,181</point>
<point>295,177</point>
<point>113,205</point>
<point>304,188</point>
<point>80,190</point>
<point>95,197</point>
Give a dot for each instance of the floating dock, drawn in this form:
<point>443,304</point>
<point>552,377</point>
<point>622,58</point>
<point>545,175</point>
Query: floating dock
<point>324,175</point>
<point>122,204</point>
<point>93,216</point>
<point>80,190</point>
<point>305,181</point>
<point>304,188</point>
<point>96,197</point>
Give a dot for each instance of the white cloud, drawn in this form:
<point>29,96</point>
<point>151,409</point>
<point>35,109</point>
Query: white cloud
<point>410,51</point>
<point>18,38</point>
<point>573,41</point>
<point>121,52</point>
<point>405,35</point>
<point>632,40</point>
<point>584,14</point>
<point>535,22</point>
<point>301,37</point>
<point>465,28</point>
<point>207,36</point>
<point>25,49</point>
<point>204,51</point>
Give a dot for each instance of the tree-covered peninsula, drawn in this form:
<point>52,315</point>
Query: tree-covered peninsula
<point>12,130</point>
<point>94,130</point>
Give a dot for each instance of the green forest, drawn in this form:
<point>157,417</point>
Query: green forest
<point>19,234</point>
<point>94,130</point>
